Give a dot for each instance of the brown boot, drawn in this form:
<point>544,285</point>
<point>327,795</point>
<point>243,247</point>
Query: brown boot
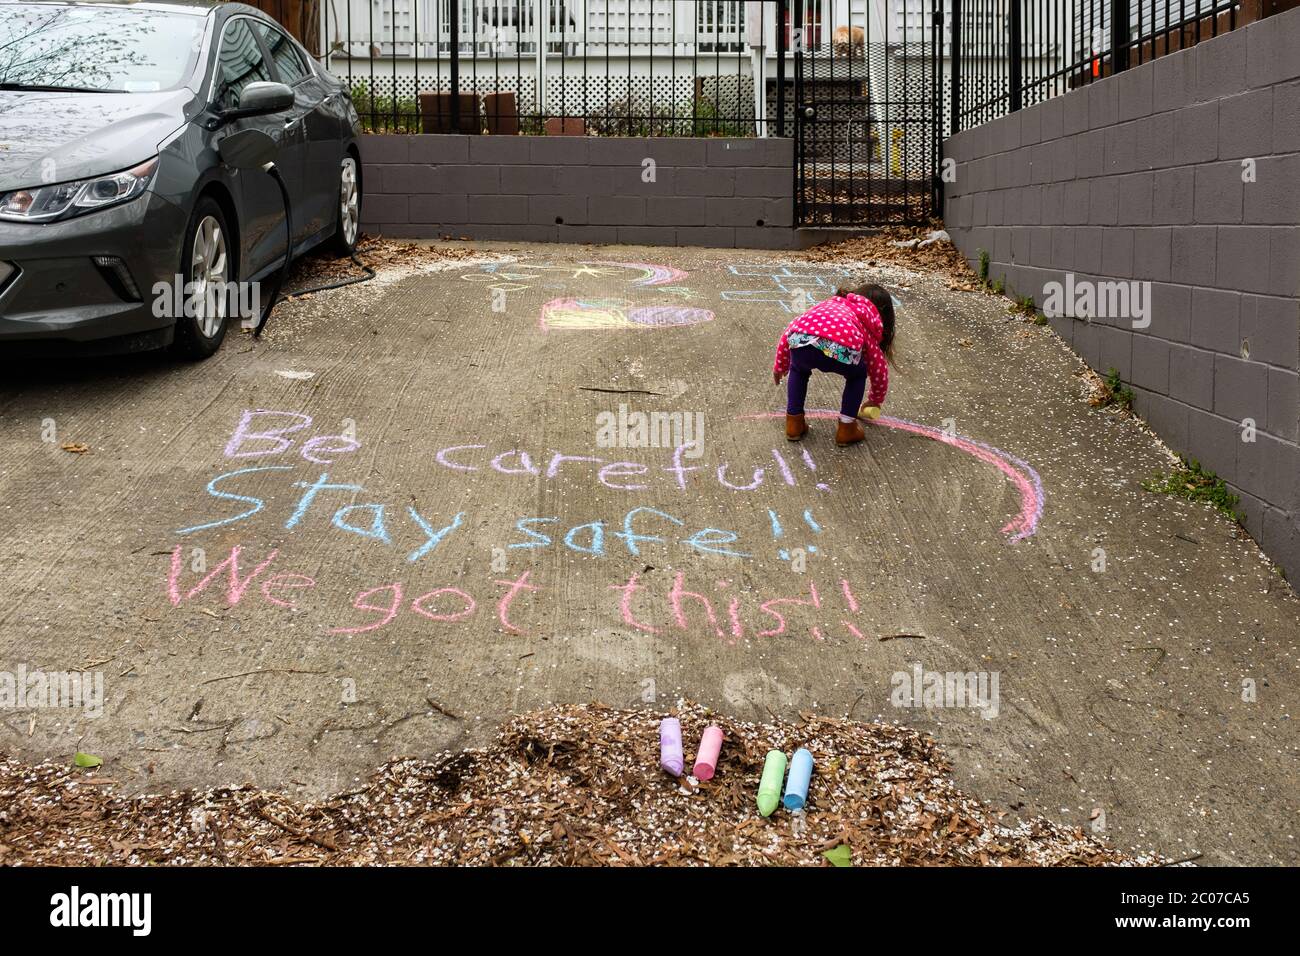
<point>795,427</point>
<point>849,433</point>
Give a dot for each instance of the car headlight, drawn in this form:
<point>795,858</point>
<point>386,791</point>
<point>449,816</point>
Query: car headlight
<point>63,200</point>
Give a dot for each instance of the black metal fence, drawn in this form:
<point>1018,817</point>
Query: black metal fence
<point>1009,54</point>
<point>867,108</point>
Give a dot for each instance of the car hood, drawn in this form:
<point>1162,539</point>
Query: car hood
<point>57,137</point>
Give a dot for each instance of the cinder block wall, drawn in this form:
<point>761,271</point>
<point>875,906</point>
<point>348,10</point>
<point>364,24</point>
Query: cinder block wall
<point>704,192</point>
<point>1139,177</point>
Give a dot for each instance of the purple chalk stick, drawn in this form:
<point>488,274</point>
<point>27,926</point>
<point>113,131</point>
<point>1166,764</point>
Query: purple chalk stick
<point>670,746</point>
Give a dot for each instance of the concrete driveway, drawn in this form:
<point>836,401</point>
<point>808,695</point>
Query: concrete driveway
<point>429,501</point>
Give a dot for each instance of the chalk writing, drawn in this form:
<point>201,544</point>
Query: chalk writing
<point>615,475</point>
<point>722,611</point>
<point>312,450</point>
<point>778,532</point>
<point>676,601</point>
<point>370,520</point>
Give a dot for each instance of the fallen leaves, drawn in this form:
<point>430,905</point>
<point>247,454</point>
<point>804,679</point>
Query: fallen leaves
<point>570,785</point>
<point>840,855</point>
<point>940,257</point>
<point>75,448</point>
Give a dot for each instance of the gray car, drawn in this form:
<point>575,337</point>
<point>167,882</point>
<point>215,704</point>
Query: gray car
<point>121,229</point>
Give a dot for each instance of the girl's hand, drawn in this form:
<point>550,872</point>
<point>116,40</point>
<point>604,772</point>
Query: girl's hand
<point>776,377</point>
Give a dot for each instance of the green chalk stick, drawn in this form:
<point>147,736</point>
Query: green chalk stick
<point>769,786</point>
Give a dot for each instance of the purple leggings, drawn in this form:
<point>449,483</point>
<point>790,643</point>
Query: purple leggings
<point>804,360</point>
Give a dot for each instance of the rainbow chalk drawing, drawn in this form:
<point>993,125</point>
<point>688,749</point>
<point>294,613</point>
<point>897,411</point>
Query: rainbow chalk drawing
<point>1023,477</point>
<point>595,314</point>
<point>670,746</point>
<point>706,760</point>
<point>769,785</point>
<point>796,788</point>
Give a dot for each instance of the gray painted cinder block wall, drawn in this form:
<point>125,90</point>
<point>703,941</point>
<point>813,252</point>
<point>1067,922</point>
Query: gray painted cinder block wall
<point>1139,177</point>
<point>705,192</point>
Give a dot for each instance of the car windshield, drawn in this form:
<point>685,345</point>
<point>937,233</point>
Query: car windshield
<point>96,48</point>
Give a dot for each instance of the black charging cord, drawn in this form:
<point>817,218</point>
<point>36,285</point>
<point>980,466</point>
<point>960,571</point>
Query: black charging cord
<point>369,273</point>
<point>351,280</point>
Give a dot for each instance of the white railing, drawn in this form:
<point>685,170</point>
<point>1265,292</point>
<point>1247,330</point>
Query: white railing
<point>509,28</point>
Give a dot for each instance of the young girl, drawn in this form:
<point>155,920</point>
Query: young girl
<point>850,334</point>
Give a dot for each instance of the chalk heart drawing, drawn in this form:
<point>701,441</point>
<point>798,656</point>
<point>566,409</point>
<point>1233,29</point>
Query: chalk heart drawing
<point>1022,477</point>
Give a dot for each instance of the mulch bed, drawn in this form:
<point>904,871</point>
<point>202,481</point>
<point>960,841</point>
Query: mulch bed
<point>940,257</point>
<point>569,785</point>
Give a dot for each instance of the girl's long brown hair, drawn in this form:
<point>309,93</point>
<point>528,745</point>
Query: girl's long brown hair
<point>878,296</point>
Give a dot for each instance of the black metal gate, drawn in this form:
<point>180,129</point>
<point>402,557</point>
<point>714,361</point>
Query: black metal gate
<point>866,110</point>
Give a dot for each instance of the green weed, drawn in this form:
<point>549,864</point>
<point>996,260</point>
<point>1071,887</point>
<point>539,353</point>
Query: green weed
<point>1189,480</point>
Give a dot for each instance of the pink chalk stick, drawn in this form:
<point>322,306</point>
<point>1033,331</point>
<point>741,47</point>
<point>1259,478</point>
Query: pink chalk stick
<point>706,760</point>
<point>670,746</point>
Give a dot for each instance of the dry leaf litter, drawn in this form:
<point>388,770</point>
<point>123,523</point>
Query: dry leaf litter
<point>941,258</point>
<point>569,785</point>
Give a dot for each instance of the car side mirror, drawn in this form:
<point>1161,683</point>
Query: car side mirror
<point>260,99</point>
<point>247,149</point>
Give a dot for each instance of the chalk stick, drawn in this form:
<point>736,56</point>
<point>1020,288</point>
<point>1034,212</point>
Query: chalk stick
<point>670,746</point>
<point>796,786</point>
<point>706,758</point>
<point>769,786</point>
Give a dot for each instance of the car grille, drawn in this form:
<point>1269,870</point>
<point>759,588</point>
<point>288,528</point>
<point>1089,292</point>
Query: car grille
<point>7,271</point>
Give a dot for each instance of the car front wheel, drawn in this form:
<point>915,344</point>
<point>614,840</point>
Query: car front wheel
<point>206,267</point>
<point>349,207</point>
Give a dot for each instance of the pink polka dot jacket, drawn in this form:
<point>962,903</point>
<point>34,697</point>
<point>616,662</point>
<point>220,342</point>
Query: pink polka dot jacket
<point>850,321</point>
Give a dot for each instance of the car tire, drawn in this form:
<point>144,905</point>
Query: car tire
<point>347,209</point>
<point>206,256</point>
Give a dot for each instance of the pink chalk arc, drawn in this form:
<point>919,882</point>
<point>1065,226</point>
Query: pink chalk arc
<point>1020,474</point>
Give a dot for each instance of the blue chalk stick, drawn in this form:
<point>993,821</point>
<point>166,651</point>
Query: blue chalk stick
<point>796,784</point>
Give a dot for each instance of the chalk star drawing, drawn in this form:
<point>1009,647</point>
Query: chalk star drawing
<point>1021,475</point>
<point>651,274</point>
<point>587,270</point>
